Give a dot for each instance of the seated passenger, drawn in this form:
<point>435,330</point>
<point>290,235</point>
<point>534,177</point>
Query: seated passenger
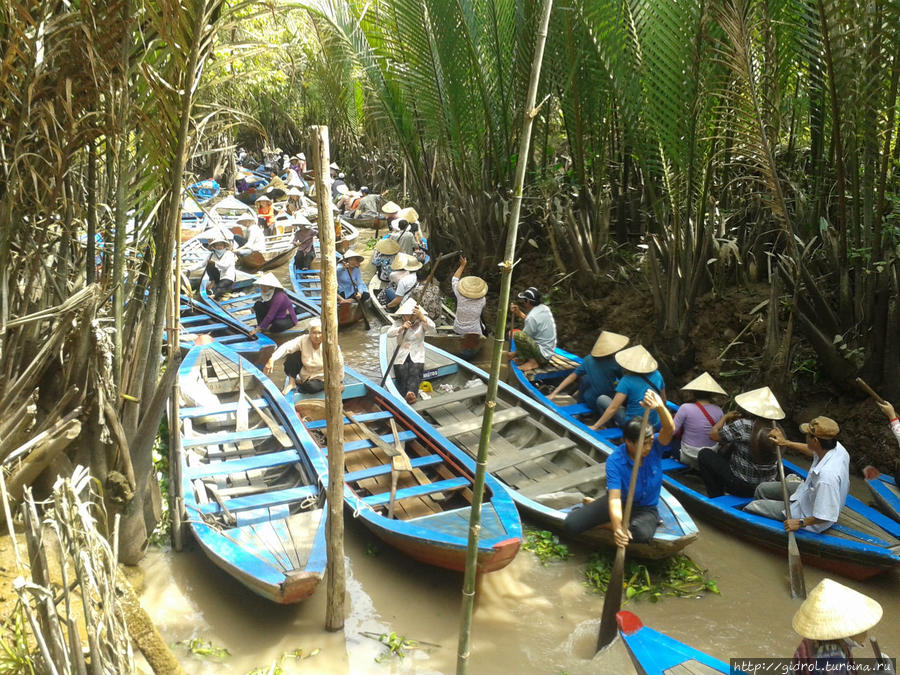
<point>274,310</point>
<point>695,420</point>
<point>304,364</point>
<point>598,373</point>
<point>639,375</point>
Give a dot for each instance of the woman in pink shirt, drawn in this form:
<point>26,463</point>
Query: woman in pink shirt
<point>695,420</point>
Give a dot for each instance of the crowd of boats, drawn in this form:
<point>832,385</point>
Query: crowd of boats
<point>253,468</point>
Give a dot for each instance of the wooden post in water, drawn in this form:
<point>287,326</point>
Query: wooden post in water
<point>334,415</point>
<point>465,629</point>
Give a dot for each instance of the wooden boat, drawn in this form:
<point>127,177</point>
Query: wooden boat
<point>238,304</point>
<point>198,319</point>
<point>204,190</point>
<point>432,500</point>
<point>249,475</point>
<point>227,211</point>
<point>193,219</point>
<point>654,653</point>
<point>308,286</point>
<point>471,347</point>
<point>278,250</point>
<point>884,490</point>
<point>861,544</point>
<point>547,463</point>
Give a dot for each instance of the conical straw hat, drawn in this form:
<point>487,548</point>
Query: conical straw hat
<point>760,402</point>
<point>704,382</point>
<point>608,343</point>
<point>268,279</point>
<point>387,246</point>
<point>409,214</point>
<point>832,611</point>
<point>390,207</point>
<point>636,359</point>
<point>472,287</point>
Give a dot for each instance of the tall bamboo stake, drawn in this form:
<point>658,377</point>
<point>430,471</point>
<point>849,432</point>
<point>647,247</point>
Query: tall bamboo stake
<point>462,655</point>
<point>334,415</point>
<point>176,498</point>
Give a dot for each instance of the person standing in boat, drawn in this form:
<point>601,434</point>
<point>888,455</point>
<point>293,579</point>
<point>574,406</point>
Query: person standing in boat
<point>644,514</point>
<point>409,359</point>
<point>303,362</point>
<point>304,240</point>
<point>639,374</point>
<point>598,372</point>
<point>750,453</point>
<point>832,621</point>
<point>274,310</point>
<point>403,280</point>
<point>536,342</point>
<point>220,267</point>
<point>350,285</point>
<point>816,502</point>
<point>385,251</point>
<point>696,419</point>
<point>470,300</point>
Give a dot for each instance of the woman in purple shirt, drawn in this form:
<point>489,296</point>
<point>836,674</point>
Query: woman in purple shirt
<point>695,420</point>
<point>274,310</point>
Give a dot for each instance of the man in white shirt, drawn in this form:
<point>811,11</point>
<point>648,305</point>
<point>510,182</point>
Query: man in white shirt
<point>816,502</point>
<point>403,280</point>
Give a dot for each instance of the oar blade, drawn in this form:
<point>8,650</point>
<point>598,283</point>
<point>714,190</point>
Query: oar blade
<point>795,568</point>
<point>612,602</point>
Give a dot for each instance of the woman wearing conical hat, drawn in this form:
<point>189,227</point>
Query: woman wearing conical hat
<point>470,300</point>
<point>696,419</point>
<point>274,310</point>
<point>640,374</point>
<point>750,457</point>
<point>599,371</point>
<point>220,267</point>
<point>832,621</point>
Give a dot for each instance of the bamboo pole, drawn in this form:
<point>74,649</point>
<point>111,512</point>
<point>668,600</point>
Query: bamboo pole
<point>176,498</point>
<point>462,655</point>
<point>334,416</point>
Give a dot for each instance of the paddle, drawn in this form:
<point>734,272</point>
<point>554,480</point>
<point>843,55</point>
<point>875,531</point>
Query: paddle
<point>866,388</point>
<point>362,310</point>
<point>390,364</point>
<point>879,655</point>
<point>399,462</point>
<point>612,602</point>
<point>795,564</point>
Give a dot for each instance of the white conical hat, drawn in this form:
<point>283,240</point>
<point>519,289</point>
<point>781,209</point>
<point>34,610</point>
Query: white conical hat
<point>704,382</point>
<point>263,198</point>
<point>608,343</point>
<point>636,359</point>
<point>833,611</point>
<point>408,307</point>
<point>760,402</point>
<point>268,279</point>
<point>390,207</point>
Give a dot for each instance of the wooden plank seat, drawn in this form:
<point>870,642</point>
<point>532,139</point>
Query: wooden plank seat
<point>262,500</point>
<point>453,397</point>
<point>365,417</point>
<point>203,411</point>
<point>473,422</point>
<point>566,480</point>
<point>418,491</point>
<point>266,461</point>
<point>366,444</point>
<point>506,460</point>
<point>385,469</point>
<point>228,437</point>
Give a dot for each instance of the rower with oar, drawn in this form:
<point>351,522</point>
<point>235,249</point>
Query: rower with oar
<point>408,359</point>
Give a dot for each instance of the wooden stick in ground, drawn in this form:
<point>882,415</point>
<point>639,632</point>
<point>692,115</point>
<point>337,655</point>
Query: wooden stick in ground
<point>612,603</point>
<point>334,612</point>
<point>795,564</point>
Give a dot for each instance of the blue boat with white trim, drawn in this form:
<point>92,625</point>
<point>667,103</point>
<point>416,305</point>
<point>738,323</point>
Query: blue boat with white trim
<point>654,653</point>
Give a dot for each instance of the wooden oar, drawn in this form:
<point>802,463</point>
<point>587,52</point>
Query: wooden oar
<point>795,564</point>
<point>866,388</point>
<point>399,462</point>
<point>880,658</point>
<point>390,364</point>
<point>612,603</point>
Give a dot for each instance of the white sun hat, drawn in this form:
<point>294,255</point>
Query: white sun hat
<point>760,402</point>
<point>268,279</point>
<point>833,611</point>
<point>705,383</point>
<point>636,359</point>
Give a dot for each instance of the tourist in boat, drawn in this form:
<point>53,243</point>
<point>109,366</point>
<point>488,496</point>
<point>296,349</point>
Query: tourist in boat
<point>816,503</point>
<point>696,419</point>
<point>294,203</point>
<point>833,620</point>
<point>256,238</point>
<point>350,285</point>
<point>276,189</point>
<point>598,372</point>
<point>747,455</point>
<point>304,240</point>
<point>368,204</point>
<point>274,310</point>
<point>294,175</point>
<point>644,514</point>
<point>403,281</point>
<point>470,300</point>
<point>220,267</point>
<point>385,251</point>
<point>409,359</point>
<point>264,210</point>
<point>389,213</point>
<point>346,199</point>
<point>303,362</point>
<point>338,186</point>
<point>536,342</point>
<point>639,375</point>
<point>406,240</point>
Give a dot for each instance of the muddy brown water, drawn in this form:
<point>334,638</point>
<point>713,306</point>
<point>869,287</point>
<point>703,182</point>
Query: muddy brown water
<point>529,618</point>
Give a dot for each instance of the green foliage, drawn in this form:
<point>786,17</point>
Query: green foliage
<point>545,545</point>
<point>200,647</point>
<point>15,654</point>
<point>678,577</point>
<point>276,666</point>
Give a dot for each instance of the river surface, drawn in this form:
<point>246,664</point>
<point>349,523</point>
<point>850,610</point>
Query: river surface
<point>529,618</point>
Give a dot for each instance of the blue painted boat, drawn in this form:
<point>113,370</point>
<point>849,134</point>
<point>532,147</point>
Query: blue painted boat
<point>198,319</point>
<point>654,653</point>
<point>884,490</point>
<point>548,464</point>
<point>861,544</point>
<point>204,190</point>
<point>308,286</point>
<point>432,503</point>
<point>238,304</point>
<point>250,476</point>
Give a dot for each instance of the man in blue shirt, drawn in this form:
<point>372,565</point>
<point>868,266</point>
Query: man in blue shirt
<point>607,511</point>
<point>350,285</point>
<point>640,376</point>
<point>598,373</point>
